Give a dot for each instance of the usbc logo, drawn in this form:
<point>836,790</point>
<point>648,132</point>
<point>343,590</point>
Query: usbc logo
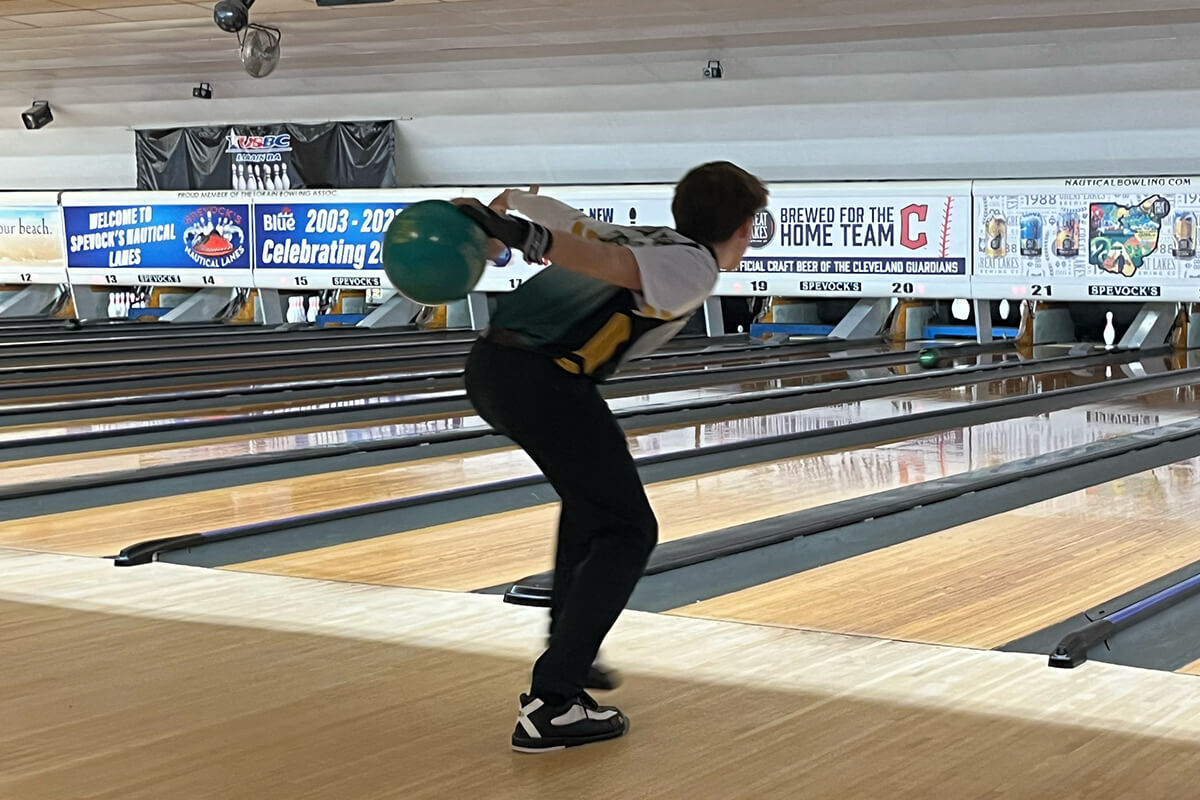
<point>259,144</point>
<point>762,230</point>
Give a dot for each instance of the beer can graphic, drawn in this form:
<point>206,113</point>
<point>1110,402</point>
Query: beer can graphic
<point>1185,235</point>
<point>995,235</point>
<point>1031,234</point>
<point>1066,241</point>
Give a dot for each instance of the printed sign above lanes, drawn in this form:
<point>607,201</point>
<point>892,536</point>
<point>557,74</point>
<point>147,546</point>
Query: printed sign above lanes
<point>31,243</point>
<point>1088,239</point>
<point>158,238</point>
<point>328,238</point>
<point>859,240</point>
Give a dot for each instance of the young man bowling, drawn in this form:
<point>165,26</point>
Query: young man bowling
<point>610,293</point>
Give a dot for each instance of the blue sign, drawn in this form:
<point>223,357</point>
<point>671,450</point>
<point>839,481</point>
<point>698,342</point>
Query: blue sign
<point>322,236</point>
<point>158,236</point>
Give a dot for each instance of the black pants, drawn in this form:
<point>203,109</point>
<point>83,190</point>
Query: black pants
<point>606,529</point>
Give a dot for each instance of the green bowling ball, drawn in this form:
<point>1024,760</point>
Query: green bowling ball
<point>433,254</point>
<point>928,358</point>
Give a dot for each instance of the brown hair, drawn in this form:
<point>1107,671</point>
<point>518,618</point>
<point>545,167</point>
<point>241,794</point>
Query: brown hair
<point>714,200</point>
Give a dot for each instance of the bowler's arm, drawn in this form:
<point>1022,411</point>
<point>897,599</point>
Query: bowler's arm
<point>575,244</point>
<point>612,263</point>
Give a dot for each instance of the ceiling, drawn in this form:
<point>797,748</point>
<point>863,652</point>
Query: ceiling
<point>89,53</point>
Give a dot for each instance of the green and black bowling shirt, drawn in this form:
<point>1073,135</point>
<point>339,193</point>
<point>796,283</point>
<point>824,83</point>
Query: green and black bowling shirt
<point>590,327</point>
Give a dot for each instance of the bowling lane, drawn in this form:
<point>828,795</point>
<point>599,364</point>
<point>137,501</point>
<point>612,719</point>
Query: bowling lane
<point>491,550</point>
<point>15,399</point>
<point>250,411</point>
<point>619,394</point>
<point>362,345</point>
<point>155,409</point>
<point>233,353</point>
<point>183,410</point>
<point>990,582</point>
<point>50,349</point>
<point>104,530</point>
<point>128,384</point>
<point>57,467</point>
<point>180,413</point>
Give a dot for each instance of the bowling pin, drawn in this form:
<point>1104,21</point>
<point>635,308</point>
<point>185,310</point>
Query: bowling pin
<point>960,309</point>
<point>1004,309</point>
<point>1110,333</point>
<point>313,307</point>
<point>286,179</point>
<point>112,305</point>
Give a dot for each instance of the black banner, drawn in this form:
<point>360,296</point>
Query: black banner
<point>330,155</point>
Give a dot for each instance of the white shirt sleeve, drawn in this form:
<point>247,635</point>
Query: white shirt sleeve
<point>675,279</point>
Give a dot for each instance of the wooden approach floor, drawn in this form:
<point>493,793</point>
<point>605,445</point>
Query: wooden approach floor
<point>171,682</point>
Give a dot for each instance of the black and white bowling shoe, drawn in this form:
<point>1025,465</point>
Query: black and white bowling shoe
<point>544,728</point>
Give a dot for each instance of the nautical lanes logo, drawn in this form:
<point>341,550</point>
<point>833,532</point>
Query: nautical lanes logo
<point>215,236</point>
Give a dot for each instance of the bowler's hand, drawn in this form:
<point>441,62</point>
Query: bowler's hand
<point>495,246</point>
<point>503,202</point>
